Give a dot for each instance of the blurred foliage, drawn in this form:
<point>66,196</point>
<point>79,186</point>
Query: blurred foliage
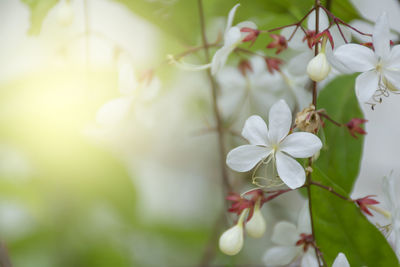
<point>339,225</point>
<point>39,10</point>
<point>341,155</point>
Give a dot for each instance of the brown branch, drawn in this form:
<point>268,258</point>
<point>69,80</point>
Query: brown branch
<point>330,189</point>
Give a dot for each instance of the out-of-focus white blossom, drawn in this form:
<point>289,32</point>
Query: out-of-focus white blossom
<point>380,67</point>
<point>391,201</point>
<point>133,93</point>
<point>253,92</point>
<point>285,236</point>
<point>276,145</point>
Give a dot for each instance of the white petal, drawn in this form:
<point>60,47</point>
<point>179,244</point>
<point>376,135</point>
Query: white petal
<point>150,90</point>
<point>323,20</point>
<point>285,234</point>
<point>219,59</point>
<point>393,77</point>
<point>246,24</point>
<point>296,42</point>
<point>337,36</point>
<point>362,26</point>
<point>233,89</point>
<point>233,37</point>
<point>258,65</point>
<point>341,261</point>
<point>280,256</point>
<point>301,144</point>
<point>280,120</point>
<point>389,192</point>
<point>114,111</point>
<point>381,37</point>
<point>393,61</point>
<point>244,158</point>
<point>357,58</point>
<point>303,221</point>
<point>298,64</point>
<point>366,85</point>
<point>290,171</point>
<point>309,259</point>
<point>230,18</point>
<point>126,79</point>
<point>256,131</point>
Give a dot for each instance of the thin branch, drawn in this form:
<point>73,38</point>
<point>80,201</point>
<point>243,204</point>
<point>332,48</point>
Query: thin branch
<point>330,189</point>
<point>326,116</point>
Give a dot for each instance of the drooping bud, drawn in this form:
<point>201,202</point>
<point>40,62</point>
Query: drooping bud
<point>308,120</point>
<point>231,241</point>
<point>65,13</point>
<point>279,42</point>
<point>354,127</point>
<point>318,68</point>
<point>256,226</point>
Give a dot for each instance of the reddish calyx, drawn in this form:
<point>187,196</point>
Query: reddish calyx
<point>306,240</point>
<point>365,203</point>
<point>273,64</point>
<point>251,36</point>
<point>354,126</point>
<point>279,42</point>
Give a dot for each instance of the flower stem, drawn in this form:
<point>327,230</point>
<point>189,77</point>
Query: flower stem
<point>330,189</point>
<point>318,253</point>
<point>220,130</point>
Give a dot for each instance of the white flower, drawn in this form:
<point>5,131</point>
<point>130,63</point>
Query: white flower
<point>256,226</point>
<point>297,65</point>
<point>341,261</point>
<point>231,241</point>
<point>139,92</point>
<point>254,92</point>
<point>318,68</point>
<point>285,236</point>
<point>370,10</point>
<point>65,13</point>
<point>380,68</point>
<point>275,143</point>
<point>391,201</point>
<point>232,38</point>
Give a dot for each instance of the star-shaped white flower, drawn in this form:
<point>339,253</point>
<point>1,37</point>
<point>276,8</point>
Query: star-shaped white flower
<point>255,91</point>
<point>289,246</point>
<point>275,142</point>
<point>232,38</point>
<point>133,91</point>
<point>341,261</point>
<point>380,67</point>
<point>391,201</point>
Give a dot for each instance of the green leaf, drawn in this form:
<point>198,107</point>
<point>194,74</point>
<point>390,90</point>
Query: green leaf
<point>341,227</point>
<point>39,10</point>
<point>340,158</point>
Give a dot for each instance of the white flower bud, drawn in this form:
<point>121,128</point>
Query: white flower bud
<point>231,241</point>
<point>318,68</point>
<point>65,14</point>
<point>256,226</point>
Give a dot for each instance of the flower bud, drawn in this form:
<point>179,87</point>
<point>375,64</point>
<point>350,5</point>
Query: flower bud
<point>308,120</point>
<point>231,241</point>
<point>318,68</point>
<point>65,14</point>
<point>255,227</point>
